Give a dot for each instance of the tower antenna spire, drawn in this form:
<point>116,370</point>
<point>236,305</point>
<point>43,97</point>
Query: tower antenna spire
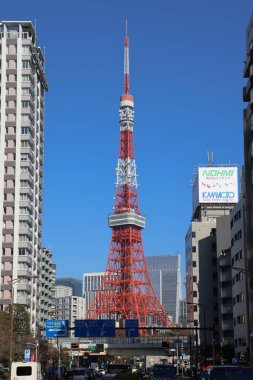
<point>126,64</point>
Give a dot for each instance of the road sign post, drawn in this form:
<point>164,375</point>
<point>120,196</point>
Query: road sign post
<point>57,328</point>
<point>85,328</point>
<point>132,328</point>
<point>27,355</point>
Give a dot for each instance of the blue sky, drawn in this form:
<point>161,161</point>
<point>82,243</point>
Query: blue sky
<point>186,63</point>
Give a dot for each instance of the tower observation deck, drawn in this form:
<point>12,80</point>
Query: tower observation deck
<point>126,291</point>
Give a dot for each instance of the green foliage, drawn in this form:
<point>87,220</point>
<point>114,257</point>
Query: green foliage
<point>21,332</point>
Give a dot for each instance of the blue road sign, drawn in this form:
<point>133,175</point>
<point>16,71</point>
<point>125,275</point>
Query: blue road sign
<point>57,328</point>
<point>132,328</point>
<point>27,355</point>
<point>85,328</point>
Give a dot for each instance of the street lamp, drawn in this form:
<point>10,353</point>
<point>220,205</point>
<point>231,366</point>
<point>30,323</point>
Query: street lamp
<point>205,307</point>
<point>55,311</point>
<point>12,283</point>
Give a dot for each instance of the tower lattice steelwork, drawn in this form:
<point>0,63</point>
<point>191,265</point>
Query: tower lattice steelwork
<point>126,291</point>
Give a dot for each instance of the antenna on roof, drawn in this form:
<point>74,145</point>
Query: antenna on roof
<point>210,158</point>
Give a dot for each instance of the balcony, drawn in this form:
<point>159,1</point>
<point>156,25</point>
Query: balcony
<point>246,90</point>
<point>225,260</point>
<point>246,71</point>
<point>227,325</point>
<point>226,293</point>
<point>24,301</point>
<point>225,277</point>
<point>226,309</point>
<point>24,286</point>
<point>25,259</point>
<point>24,272</point>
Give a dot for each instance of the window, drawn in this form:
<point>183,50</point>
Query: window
<point>26,49</point>
<point>193,248</point>
<point>24,103</point>
<point>24,197</point>
<point>24,130</point>
<point>24,238</point>
<point>25,91</point>
<point>26,64</point>
<point>194,293</point>
<point>24,157</point>
<point>24,211</point>
<point>25,78</point>
<point>23,252</point>
<point>193,234</point>
<point>25,117</point>
<point>24,183</point>
<point>194,264</point>
<point>24,144</point>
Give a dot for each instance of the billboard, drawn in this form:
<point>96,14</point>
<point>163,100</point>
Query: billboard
<point>217,184</point>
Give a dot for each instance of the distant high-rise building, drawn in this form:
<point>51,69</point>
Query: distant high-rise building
<point>23,85</point>
<point>73,283</point>
<point>63,291</point>
<point>164,271</point>
<point>182,320</point>
<point>47,296</point>
<point>91,284</point>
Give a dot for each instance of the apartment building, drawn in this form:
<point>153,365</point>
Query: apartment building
<point>70,308</point>
<point>23,85</point>
<point>47,294</point>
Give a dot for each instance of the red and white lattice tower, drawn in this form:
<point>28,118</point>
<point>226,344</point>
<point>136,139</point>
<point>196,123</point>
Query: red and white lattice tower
<point>126,291</point>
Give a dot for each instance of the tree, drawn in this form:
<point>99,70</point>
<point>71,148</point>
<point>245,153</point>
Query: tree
<point>21,329</point>
<point>4,337</point>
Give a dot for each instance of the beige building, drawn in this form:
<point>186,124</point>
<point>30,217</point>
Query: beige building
<point>70,308</point>
<point>207,238</point>
<point>23,85</point>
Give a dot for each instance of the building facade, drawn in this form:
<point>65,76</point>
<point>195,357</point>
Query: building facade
<point>63,291</point>
<point>47,295</point>
<point>73,283</point>
<point>224,285</point>
<point>164,271</point>
<point>203,247</point>
<point>182,313</point>
<point>70,308</point>
<point>248,165</point>
<point>239,280</point>
<point>23,85</point>
<point>91,284</point>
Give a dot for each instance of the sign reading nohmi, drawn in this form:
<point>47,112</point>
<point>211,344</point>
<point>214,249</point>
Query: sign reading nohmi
<point>85,328</point>
<point>215,184</point>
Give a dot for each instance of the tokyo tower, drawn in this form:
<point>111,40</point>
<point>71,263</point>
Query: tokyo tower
<point>126,291</point>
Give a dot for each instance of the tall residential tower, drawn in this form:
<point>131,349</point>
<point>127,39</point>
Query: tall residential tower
<point>23,85</point>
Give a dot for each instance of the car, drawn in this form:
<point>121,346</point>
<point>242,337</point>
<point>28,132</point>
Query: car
<point>229,373</point>
<point>164,372</point>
